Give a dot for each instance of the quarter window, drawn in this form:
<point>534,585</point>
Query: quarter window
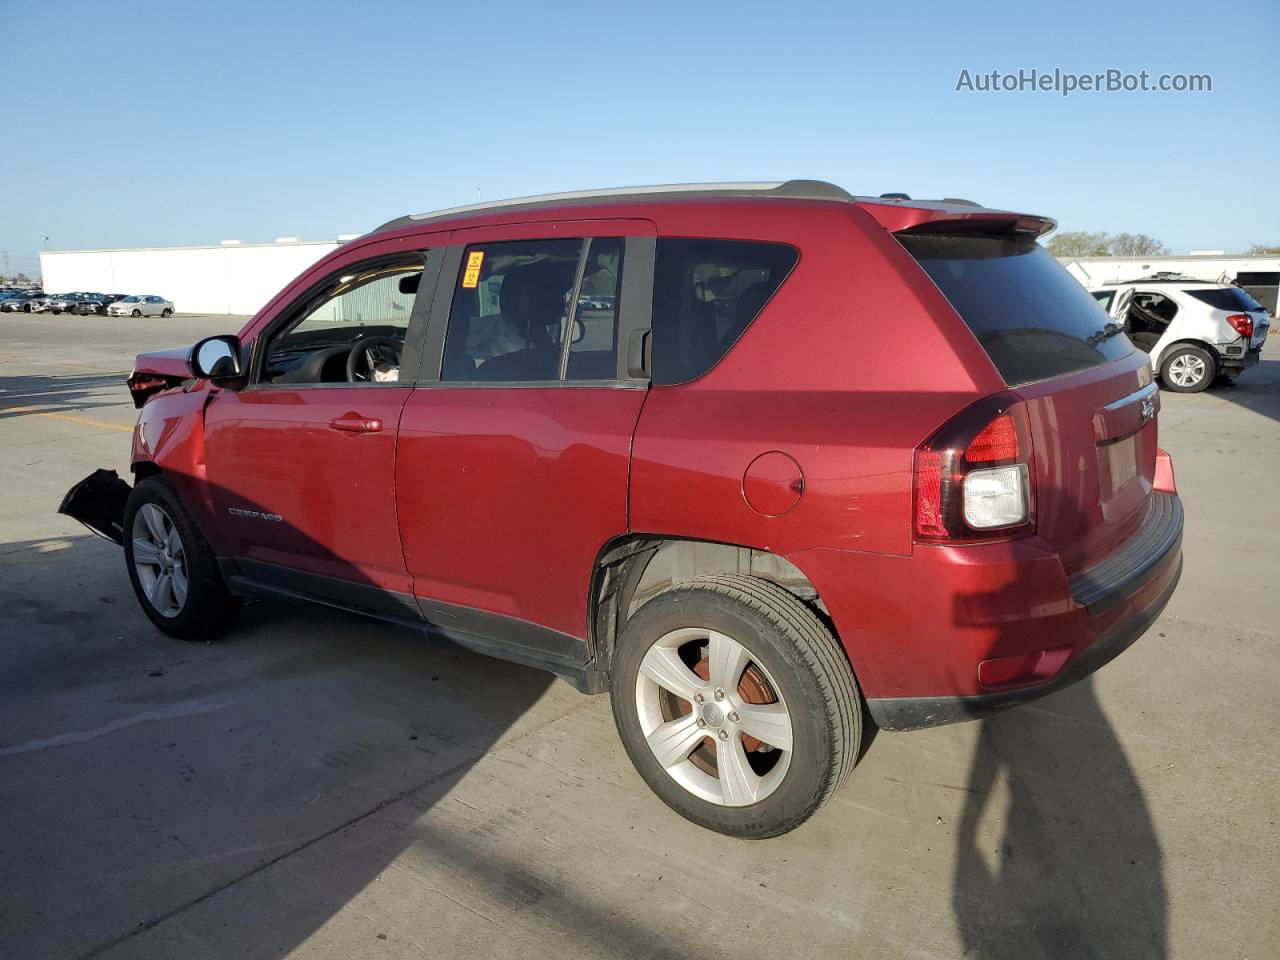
<point>705,294</point>
<point>514,316</point>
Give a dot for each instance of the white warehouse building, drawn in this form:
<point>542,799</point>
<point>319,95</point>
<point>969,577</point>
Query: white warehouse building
<point>231,277</point>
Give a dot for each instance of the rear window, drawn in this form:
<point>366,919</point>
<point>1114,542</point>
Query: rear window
<point>1031,316</point>
<point>705,294</point>
<point>1225,298</point>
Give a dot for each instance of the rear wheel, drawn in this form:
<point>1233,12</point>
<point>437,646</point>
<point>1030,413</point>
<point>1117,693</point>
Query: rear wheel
<point>136,313</point>
<point>736,705</point>
<point>1188,369</point>
<point>166,312</point>
<point>172,567</point>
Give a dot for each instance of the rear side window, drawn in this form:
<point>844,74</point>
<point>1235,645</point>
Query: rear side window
<point>705,294</point>
<point>1225,298</point>
<point>1031,316</point>
<point>1104,298</point>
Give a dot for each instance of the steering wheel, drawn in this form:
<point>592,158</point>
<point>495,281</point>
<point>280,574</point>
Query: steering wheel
<point>368,352</point>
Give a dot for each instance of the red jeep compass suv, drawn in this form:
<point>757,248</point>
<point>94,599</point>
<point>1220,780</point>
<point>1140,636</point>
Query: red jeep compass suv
<point>745,456</point>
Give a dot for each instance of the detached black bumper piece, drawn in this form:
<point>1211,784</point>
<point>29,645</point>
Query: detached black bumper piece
<point>98,502</point>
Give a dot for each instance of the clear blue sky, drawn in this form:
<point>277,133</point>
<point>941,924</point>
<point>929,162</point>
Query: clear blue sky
<point>149,124</point>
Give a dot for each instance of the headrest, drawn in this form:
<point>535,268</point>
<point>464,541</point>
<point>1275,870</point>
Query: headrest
<point>534,294</point>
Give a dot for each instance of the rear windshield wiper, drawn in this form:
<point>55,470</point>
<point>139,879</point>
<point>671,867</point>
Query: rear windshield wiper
<point>1110,330</point>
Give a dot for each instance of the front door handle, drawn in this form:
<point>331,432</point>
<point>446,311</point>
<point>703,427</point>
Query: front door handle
<point>354,423</point>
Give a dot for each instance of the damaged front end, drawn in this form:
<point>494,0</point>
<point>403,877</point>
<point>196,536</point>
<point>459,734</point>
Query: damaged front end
<point>98,502</point>
<point>157,371</point>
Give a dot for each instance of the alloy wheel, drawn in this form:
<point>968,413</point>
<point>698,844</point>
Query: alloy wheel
<point>160,560</point>
<point>1187,370</point>
<point>713,717</point>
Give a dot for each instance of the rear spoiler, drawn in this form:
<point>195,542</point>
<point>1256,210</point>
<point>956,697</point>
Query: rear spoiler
<point>954,217</point>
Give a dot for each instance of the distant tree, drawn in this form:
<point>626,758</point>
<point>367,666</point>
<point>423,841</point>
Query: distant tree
<point>1136,245</point>
<point>1264,250</point>
<point>1079,243</point>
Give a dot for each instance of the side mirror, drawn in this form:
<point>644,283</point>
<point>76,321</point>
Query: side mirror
<point>216,359</point>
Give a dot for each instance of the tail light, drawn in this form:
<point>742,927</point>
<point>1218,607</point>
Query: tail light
<point>973,477</point>
<point>1242,324</point>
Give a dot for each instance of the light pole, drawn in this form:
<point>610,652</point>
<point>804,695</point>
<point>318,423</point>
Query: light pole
<point>46,242</point>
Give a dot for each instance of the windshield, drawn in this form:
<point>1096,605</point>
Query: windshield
<point>1032,317</point>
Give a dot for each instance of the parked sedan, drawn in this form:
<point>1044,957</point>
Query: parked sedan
<point>65,303</point>
<point>32,302</point>
<point>143,306</point>
<point>92,303</point>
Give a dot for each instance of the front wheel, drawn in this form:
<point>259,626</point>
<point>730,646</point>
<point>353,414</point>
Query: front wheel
<point>736,705</point>
<point>1188,369</point>
<point>136,314</point>
<point>172,567</point>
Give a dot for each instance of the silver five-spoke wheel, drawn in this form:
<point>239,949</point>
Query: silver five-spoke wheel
<point>713,717</point>
<point>160,560</point>
<point>1187,370</point>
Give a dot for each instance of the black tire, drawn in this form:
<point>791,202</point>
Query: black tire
<point>1187,354</point>
<point>209,608</point>
<point>808,668</point>
<point>26,308</point>
<point>166,312</point>
<point>136,313</point>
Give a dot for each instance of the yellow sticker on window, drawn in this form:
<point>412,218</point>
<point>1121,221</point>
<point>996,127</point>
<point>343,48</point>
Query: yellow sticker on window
<point>471,275</point>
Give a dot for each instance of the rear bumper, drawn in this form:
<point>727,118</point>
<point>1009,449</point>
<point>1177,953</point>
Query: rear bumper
<point>1250,359</point>
<point>914,713</point>
<point>953,632</point>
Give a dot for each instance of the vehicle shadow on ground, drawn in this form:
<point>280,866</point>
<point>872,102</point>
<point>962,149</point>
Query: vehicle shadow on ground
<point>1057,855</point>
<point>1257,389</point>
<point>140,775</point>
<point>1056,852</point>
<point>22,396</point>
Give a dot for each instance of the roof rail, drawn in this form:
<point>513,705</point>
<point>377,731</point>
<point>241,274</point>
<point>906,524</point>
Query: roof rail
<point>788,189</point>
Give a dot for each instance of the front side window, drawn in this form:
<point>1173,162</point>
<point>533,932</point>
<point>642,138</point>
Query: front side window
<point>351,329</point>
<point>515,318</point>
<point>705,294</point>
<point>1104,298</point>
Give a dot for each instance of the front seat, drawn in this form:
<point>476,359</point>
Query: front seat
<point>532,301</point>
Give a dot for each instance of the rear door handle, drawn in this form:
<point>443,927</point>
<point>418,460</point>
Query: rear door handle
<point>354,423</point>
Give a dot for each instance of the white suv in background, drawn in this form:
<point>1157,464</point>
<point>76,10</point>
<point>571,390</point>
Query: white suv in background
<point>1193,330</point>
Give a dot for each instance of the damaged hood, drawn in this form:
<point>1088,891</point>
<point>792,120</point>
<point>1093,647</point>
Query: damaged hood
<point>164,363</point>
<point>157,371</point>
